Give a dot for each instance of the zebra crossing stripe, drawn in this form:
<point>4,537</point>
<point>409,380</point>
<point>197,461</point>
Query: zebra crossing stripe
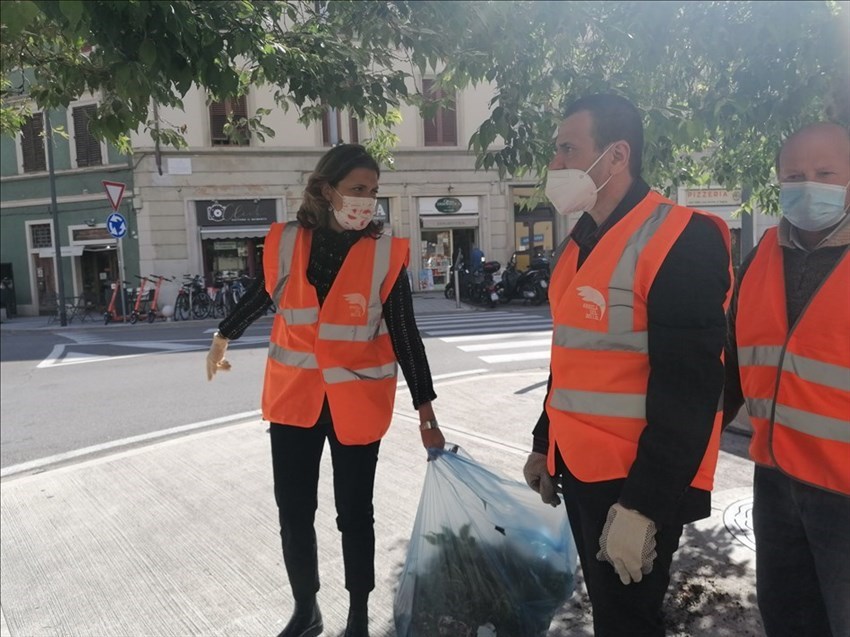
<point>488,347</point>
<point>498,336</point>
<point>519,356</point>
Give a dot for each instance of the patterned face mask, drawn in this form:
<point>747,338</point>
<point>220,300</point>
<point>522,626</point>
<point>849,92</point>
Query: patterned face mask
<point>356,212</point>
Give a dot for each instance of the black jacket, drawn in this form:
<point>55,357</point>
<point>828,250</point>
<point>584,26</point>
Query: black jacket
<point>686,333</point>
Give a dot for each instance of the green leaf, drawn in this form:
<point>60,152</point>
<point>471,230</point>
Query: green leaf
<point>73,12</point>
<point>18,16</point>
<point>147,53</point>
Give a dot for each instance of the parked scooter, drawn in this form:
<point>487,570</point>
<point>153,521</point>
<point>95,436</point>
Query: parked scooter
<point>531,285</point>
<point>475,287</point>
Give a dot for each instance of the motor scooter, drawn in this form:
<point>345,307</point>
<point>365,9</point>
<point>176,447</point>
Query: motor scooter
<point>531,285</point>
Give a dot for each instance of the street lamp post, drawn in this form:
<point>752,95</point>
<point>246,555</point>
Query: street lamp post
<point>54,209</point>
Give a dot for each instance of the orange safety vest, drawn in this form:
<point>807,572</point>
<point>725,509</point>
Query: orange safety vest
<point>796,381</point>
<point>600,353</point>
<point>341,349</point>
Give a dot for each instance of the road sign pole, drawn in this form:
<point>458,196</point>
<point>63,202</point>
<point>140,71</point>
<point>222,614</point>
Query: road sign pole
<point>122,279</point>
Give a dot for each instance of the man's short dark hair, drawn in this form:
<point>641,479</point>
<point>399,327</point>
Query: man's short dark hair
<point>614,118</point>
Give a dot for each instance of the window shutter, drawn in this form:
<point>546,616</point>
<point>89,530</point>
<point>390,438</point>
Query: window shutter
<point>431,134</point>
<point>218,118</point>
<point>32,144</point>
<point>353,130</point>
<point>87,146</point>
<point>440,130</point>
<point>235,107</point>
<point>326,126</point>
<point>449,126</point>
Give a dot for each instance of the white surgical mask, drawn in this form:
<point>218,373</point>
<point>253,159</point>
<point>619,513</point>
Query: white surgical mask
<point>572,190</point>
<point>811,205</point>
<point>356,212</point>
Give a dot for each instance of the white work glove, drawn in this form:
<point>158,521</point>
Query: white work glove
<point>628,543</point>
<point>215,357</point>
<point>537,477</point>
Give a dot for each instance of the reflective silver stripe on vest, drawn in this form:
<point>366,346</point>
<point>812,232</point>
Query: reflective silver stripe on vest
<point>303,316</point>
<point>375,325</point>
<point>822,427</point>
<point>596,403</point>
<point>621,289</point>
<point>334,375</point>
<point>809,369</point>
<point>305,360</point>
<point>621,335</point>
<point>284,260</point>
<point>577,338</point>
<point>355,333</point>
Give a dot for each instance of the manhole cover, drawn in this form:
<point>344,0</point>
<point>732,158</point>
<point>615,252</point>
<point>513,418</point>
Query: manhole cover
<point>738,520</point>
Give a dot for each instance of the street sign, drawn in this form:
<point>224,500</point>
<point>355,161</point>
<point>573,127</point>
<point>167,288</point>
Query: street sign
<point>117,225</point>
<point>114,192</point>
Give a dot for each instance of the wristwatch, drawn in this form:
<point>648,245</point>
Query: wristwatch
<point>429,424</point>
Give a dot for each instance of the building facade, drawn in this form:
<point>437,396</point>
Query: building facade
<point>89,255</point>
<point>207,208</point>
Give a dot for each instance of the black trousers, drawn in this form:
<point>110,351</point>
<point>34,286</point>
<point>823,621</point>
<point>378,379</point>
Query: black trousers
<point>802,557</point>
<point>619,610</point>
<point>296,455</point>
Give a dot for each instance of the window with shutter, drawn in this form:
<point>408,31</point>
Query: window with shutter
<point>326,127</point>
<point>32,144</point>
<point>353,130</point>
<point>232,107</point>
<point>87,146</point>
<point>440,130</point>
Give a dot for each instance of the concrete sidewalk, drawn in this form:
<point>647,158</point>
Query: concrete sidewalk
<point>180,538</point>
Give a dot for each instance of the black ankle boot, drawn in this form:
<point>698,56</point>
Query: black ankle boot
<point>358,622</point>
<point>306,620</point>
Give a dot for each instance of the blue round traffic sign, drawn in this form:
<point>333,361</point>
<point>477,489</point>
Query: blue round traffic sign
<point>117,225</point>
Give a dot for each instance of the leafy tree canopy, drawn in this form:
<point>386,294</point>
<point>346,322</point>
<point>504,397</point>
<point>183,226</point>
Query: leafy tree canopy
<point>317,55</point>
<point>720,83</point>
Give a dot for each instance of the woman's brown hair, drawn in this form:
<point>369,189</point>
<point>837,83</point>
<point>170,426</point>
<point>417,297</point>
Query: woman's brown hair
<point>333,167</point>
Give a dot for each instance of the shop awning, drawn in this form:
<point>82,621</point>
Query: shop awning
<point>234,232</point>
<point>449,221</point>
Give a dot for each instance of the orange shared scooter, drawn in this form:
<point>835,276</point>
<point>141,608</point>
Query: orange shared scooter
<point>114,309</point>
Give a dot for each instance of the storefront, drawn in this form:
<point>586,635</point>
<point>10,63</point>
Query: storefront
<point>232,232</point>
<point>534,228</point>
<point>448,228</point>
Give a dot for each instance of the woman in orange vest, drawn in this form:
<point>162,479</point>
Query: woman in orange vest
<point>788,359</point>
<point>343,324</point>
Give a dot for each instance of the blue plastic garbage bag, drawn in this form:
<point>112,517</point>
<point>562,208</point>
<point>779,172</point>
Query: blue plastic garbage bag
<point>486,558</point>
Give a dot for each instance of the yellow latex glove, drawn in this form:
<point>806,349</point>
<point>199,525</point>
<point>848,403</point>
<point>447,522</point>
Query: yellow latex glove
<point>215,357</point>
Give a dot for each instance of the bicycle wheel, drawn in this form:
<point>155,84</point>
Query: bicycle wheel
<point>202,306</point>
<point>181,308</point>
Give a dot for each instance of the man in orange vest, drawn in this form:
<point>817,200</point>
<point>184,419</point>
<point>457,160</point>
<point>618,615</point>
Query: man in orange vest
<point>788,358</point>
<point>631,421</point>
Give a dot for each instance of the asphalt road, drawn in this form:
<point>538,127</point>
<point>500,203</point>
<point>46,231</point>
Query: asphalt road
<point>70,390</point>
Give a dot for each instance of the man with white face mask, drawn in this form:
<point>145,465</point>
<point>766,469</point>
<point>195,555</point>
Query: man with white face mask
<point>788,358</point>
<point>631,422</point>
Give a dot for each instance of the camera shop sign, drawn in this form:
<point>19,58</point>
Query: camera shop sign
<point>236,212</point>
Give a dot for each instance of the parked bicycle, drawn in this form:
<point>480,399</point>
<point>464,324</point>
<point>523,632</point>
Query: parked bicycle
<point>192,299</point>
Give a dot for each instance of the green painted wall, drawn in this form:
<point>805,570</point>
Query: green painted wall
<point>8,156</point>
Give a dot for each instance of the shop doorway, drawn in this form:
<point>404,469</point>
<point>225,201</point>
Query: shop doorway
<point>232,258</point>
<point>440,249</point>
<point>98,270</point>
<point>45,284</point>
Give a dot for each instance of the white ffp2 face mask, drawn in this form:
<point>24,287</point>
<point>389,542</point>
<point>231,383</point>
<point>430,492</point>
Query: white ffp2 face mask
<point>572,190</point>
<point>356,212</point>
